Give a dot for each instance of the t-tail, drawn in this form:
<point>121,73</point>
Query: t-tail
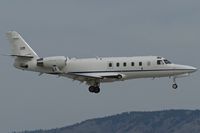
<point>20,50</point>
<point>19,47</point>
<point>27,59</point>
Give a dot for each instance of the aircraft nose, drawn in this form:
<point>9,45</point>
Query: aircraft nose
<point>194,69</point>
<point>191,69</point>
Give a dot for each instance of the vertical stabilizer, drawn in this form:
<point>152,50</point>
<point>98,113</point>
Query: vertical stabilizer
<point>19,47</point>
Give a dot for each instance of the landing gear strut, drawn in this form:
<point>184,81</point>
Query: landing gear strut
<point>174,86</point>
<point>94,89</point>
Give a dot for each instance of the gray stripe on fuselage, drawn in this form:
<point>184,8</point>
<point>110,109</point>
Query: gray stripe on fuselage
<point>130,71</point>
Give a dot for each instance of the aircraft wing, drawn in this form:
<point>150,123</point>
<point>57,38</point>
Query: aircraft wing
<point>96,76</point>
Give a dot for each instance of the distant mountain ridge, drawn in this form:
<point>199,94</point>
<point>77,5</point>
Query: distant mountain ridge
<point>169,121</point>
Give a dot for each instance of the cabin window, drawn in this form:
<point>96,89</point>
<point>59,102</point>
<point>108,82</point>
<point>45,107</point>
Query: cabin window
<point>148,63</point>
<point>124,64</point>
<point>140,63</point>
<point>110,64</point>
<point>159,62</point>
<point>167,62</point>
<point>132,64</point>
<point>117,64</point>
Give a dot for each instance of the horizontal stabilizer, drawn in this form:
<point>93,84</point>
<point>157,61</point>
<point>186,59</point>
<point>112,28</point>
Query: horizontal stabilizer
<point>21,56</point>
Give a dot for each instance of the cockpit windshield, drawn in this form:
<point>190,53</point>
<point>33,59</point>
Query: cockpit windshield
<point>166,61</point>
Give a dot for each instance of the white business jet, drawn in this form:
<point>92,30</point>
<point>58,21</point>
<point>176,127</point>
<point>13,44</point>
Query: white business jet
<point>94,71</point>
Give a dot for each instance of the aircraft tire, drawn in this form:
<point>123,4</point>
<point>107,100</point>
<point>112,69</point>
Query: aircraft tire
<point>96,90</point>
<point>91,89</point>
<point>174,86</point>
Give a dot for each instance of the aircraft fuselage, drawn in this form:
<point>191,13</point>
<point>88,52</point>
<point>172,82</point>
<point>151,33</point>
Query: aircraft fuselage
<point>94,71</point>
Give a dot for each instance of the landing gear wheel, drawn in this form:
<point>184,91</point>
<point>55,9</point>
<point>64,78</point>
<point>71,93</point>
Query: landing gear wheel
<point>91,89</point>
<point>94,89</point>
<point>174,86</point>
<point>97,90</point>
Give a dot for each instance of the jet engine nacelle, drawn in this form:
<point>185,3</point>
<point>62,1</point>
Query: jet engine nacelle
<point>50,62</point>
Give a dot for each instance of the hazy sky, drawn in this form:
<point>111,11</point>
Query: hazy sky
<point>91,28</point>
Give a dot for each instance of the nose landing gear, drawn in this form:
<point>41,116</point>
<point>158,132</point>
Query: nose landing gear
<point>174,86</point>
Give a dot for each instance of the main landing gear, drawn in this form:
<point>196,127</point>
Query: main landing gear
<point>174,86</point>
<point>94,89</point>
